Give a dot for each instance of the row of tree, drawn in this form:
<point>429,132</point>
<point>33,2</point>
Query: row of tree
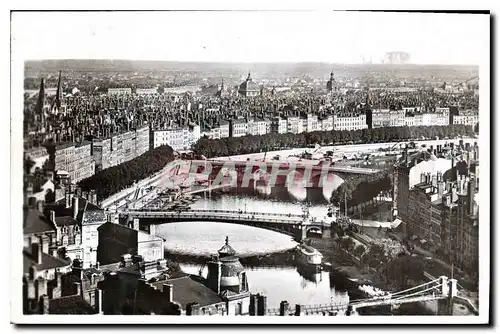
<point>274,141</point>
<point>361,189</point>
<point>117,178</point>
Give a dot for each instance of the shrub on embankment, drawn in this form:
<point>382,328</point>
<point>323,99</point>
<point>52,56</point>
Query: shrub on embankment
<point>117,178</point>
<point>361,189</point>
<point>273,141</point>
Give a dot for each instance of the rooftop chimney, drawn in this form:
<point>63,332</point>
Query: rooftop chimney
<point>67,196</point>
<point>470,197</point>
<point>75,206</point>
<point>440,189</point>
<point>36,252</point>
<point>44,241</point>
<point>168,291</point>
<point>434,181</point>
<point>78,287</point>
<point>52,216</point>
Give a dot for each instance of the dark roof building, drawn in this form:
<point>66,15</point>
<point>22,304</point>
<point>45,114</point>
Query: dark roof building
<point>248,88</point>
<point>331,84</point>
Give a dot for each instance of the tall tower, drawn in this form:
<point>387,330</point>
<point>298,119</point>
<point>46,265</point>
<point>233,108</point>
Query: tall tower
<point>330,85</point>
<point>59,92</point>
<point>41,101</point>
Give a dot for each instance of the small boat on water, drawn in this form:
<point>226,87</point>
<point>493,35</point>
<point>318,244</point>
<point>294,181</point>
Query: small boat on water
<point>308,256</point>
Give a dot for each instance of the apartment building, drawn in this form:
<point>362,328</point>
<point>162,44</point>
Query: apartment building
<point>238,127</point>
<point>75,159</point>
<point>119,91</point>
<point>349,122</point>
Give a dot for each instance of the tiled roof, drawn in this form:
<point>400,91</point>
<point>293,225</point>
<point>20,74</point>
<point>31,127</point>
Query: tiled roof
<point>70,305</point>
<point>36,222</point>
<point>186,290</point>
<point>65,221</point>
<point>48,262</point>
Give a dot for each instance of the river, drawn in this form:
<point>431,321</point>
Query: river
<point>279,281</point>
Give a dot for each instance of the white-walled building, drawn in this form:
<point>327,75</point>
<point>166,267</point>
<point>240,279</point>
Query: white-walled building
<point>349,122</point>
<point>239,127</point>
<point>279,125</point>
<point>466,117</point>
<point>177,138</point>
<point>327,123</point>
<point>224,129</point>
<point>293,125</point>
<point>387,118</point>
<point>257,127</point>
<point>119,91</point>
<point>312,123</point>
<point>146,91</point>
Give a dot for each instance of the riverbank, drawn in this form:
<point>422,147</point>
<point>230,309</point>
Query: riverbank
<point>341,261</point>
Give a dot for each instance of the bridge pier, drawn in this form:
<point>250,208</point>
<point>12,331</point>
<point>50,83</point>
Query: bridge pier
<point>283,308</point>
<point>258,305</point>
<point>134,224</point>
<point>152,229</point>
<point>301,234</point>
<point>351,311</point>
<point>449,290</point>
<point>326,233</point>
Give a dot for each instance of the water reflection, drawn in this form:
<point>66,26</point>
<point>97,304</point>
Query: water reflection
<point>205,238</point>
<point>280,283</point>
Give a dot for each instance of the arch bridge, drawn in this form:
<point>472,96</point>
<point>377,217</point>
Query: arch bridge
<point>277,172</point>
<point>293,225</point>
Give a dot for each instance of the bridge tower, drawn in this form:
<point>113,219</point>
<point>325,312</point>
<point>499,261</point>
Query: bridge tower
<point>351,311</point>
<point>133,223</point>
<point>449,291</point>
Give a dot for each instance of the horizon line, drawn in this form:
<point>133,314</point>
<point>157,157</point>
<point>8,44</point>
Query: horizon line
<point>241,62</point>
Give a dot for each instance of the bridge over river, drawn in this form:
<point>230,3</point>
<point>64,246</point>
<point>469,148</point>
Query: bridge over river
<point>294,225</point>
<point>442,289</point>
<point>312,173</point>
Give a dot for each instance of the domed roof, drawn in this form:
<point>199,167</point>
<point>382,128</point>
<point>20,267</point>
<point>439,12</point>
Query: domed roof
<point>226,250</point>
<point>231,266</point>
<point>248,85</point>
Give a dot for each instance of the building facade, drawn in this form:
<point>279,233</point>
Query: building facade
<point>248,88</point>
<point>349,122</point>
<point>119,91</point>
<point>75,159</point>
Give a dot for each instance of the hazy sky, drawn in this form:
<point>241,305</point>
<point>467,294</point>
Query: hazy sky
<point>337,37</point>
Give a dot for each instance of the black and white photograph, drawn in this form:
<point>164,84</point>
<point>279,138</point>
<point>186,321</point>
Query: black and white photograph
<point>323,166</point>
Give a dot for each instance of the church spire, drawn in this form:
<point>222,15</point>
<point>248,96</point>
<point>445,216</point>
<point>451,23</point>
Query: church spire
<point>331,76</point>
<point>41,98</point>
<point>59,92</point>
<point>249,77</point>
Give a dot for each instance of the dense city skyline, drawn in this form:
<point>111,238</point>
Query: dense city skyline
<point>250,164</point>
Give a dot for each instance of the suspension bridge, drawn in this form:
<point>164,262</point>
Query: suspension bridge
<point>441,289</point>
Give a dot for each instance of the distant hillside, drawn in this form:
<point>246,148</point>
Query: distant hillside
<point>269,69</point>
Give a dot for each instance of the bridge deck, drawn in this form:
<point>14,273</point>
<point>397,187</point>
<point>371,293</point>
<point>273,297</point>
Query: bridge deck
<point>225,215</point>
<point>283,164</point>
<point>342,307</point>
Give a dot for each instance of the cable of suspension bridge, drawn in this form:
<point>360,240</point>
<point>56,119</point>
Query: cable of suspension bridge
<point>415,293</point>
<point>400,292</point>
<point>415,287</point>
